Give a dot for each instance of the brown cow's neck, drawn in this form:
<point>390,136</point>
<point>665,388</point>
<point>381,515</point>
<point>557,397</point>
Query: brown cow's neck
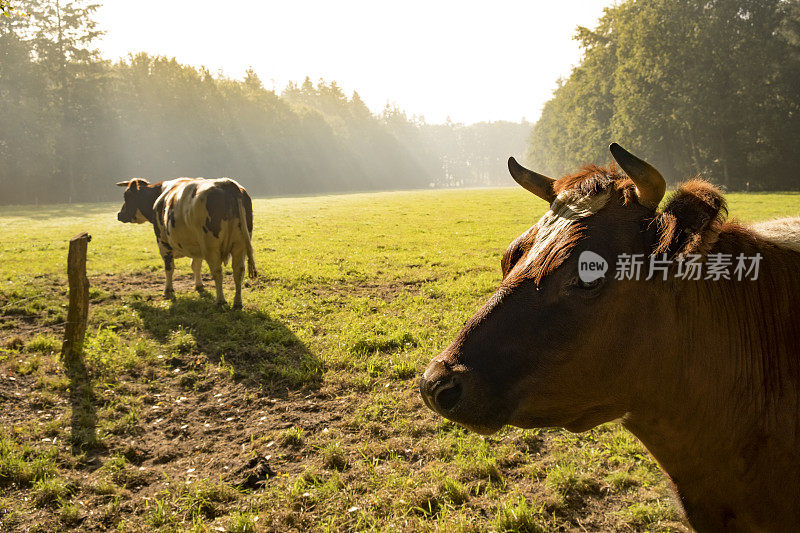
<point>728,388</point>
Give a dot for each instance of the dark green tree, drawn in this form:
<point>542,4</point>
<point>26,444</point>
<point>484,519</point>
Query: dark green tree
<point>700,86</point>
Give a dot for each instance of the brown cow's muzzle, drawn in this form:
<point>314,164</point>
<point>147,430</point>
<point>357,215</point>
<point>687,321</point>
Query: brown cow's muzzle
<point>462,395</point>
<point>440,387</point>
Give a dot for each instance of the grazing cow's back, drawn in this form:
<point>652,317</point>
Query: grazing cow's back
<point>205,219</point>
<point>781,231</point>
<point>700,357</point>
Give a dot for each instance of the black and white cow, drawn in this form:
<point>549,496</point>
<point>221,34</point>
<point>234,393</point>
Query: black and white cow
<point>209,219</point>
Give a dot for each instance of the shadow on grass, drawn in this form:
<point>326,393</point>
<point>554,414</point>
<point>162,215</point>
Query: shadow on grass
<point>81,399</point>
<point>261,350</point>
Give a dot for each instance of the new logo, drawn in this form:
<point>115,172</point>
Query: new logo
<point>591,266</point>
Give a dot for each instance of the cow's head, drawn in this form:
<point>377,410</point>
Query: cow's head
<point>139,199</point>
<point>550,348</point>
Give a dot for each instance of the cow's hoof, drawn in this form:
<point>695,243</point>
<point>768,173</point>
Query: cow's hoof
<point>237,306</point>
<point>200,289</point>
<point>221,304</point>
<point>169,295</point>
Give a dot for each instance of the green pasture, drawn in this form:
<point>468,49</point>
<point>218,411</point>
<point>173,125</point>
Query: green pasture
<point>355,294</point>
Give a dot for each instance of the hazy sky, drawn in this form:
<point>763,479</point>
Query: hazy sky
<point>469,60</point>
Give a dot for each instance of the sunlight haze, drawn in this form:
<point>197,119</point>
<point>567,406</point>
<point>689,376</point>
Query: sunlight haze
<point>470,61</point>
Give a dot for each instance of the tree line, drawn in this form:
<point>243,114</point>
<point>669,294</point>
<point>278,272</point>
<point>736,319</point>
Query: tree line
<point>73,123</point>
<point>708,87</point>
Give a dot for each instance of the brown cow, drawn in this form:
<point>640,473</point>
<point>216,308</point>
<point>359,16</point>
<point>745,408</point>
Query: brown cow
<point>209,219</point>
<point>706,373</point>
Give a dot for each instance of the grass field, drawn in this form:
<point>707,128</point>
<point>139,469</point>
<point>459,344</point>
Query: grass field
<point>301,411</point>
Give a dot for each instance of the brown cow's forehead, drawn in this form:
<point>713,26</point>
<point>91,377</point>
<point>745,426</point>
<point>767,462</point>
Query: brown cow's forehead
<point>553,237</point>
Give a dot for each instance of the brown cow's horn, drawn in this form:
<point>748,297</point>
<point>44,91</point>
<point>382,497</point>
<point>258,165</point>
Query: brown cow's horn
<point>650,185</point>
<point>538,184</point>
<point>123,183</point>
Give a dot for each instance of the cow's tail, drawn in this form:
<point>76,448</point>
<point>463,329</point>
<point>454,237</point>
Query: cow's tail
<point>251,262</point>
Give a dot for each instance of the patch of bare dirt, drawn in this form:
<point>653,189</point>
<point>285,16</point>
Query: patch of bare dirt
<point>183,435</point>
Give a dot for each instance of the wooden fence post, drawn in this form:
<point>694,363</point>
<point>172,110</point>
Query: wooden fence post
<point>78,312</point>
<point>84,419</point>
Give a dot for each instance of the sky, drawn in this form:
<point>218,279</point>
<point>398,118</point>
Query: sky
<point>468,60</point>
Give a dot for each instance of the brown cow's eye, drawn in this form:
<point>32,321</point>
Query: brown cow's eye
<point>591,285</point>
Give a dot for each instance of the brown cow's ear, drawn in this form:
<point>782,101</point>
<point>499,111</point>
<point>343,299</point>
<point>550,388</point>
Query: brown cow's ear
<point>691,221</point>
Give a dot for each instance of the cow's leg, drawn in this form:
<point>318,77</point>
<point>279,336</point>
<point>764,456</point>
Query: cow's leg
<point>238,274</point>
<point>169,268</point>
<point>197,268</point>
<point>215,265</point>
